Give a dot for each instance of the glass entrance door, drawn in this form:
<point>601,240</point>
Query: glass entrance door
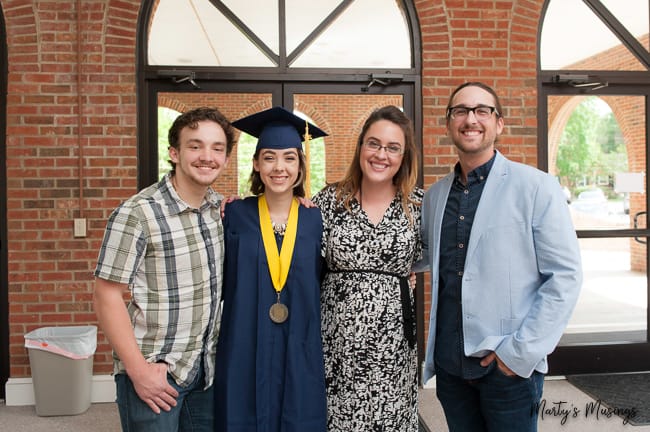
<point>233,106</point>
<point>340,109</point>
<point>597,149</point>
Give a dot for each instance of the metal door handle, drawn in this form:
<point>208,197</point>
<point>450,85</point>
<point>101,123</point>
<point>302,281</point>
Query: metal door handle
<point>636,217</point>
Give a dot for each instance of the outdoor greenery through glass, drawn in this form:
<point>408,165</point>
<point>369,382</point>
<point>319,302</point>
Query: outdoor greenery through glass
<point>245,149</point>
<point>591,148</point>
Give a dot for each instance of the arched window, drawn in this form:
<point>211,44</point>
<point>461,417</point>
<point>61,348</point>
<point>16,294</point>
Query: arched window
<point>306,56</point>
<point>334,61</point>
<point>594,58</point>
<point>281,33</point>
<point>592,35</point>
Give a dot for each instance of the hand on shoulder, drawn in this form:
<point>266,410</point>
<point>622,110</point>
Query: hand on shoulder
<point>227,201</point>
<point>306,202</point>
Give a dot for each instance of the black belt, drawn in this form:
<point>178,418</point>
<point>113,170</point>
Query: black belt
<point>408,311</point>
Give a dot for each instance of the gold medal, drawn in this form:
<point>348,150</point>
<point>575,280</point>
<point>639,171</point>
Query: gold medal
<point>278,313</point>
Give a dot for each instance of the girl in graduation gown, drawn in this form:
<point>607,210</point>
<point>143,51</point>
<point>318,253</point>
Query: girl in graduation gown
<point>269,366</point>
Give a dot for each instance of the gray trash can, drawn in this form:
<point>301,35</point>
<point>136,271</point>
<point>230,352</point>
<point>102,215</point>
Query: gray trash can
<point>61,360</point>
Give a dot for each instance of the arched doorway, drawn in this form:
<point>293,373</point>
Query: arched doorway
<point>303,55</point>
<point>593,128</point>
<point>326,61</point>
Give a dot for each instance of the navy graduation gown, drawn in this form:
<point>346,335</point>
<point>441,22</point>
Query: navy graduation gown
<point>269,377</point>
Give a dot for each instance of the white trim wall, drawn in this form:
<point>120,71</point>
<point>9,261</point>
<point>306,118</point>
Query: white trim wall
<point>20,391</point>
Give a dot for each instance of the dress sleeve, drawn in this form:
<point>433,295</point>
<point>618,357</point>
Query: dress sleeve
<point>323,201</point>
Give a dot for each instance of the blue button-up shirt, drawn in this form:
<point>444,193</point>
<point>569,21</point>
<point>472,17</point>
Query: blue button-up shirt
<point>456,228</point>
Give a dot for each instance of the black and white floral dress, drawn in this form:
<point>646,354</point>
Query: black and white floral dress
<point>370,366</point>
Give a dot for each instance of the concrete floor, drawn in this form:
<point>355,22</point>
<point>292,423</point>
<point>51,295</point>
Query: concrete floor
<point>103,417</point>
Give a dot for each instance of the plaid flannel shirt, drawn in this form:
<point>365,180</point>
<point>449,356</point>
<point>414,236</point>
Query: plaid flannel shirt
<point>171,257</point>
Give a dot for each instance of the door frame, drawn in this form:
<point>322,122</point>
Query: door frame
<point>153,79</point>
<point>282,94</point>
<point>4,254</point>
<point>601,357</point>
<point>148,122</point>
<point>412,111</point>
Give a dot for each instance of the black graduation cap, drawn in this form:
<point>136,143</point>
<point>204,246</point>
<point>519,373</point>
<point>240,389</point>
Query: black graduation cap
<point>278,128</point>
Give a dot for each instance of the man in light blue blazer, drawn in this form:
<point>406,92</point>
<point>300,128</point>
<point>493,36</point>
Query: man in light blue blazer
<point>505,274</point>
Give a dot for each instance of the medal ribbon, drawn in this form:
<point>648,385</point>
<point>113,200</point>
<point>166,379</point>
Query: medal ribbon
<point>278,262</point>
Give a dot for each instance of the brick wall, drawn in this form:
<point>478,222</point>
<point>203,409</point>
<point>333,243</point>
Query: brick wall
<point>50,271</point>
<point>55,174</point>
<point>494,42</point>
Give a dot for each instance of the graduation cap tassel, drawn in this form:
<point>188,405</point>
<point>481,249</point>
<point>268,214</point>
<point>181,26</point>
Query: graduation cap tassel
<point>307,161</point>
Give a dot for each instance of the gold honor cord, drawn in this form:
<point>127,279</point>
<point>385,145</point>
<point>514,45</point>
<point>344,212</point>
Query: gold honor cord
<point>307,139</point>
<point>279,263</point>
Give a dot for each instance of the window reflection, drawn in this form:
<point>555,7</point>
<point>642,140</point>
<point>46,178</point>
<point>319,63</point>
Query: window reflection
<point>633,14</point>
<point>303,17</point>
<point>197,34</point>
<point>612,303</point>
<point>166,117</point>
<point>362,39</point>
<point>368,33</point>
<point>597,152</point>
<point>594,47</point>
<point>259,16</point>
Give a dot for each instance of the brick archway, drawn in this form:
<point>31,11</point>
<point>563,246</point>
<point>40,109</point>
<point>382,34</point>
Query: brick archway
<point>626,111</point>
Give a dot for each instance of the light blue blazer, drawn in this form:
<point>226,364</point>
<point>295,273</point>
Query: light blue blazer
<point>523,270</point>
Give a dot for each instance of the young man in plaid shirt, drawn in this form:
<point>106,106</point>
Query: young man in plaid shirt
<point>165,246</point>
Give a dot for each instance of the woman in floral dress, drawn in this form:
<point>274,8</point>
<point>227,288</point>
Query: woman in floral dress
<point>371,238</point>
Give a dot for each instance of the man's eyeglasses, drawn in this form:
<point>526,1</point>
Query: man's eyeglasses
<point>391,149</point>
<point>481,112</point>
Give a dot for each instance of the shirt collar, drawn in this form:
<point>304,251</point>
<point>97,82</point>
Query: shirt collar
<point>478,174</point>
<point>177,205</point>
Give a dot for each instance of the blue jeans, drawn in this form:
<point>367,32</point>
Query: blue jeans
<point>193,412</point>
<point>493,403</point>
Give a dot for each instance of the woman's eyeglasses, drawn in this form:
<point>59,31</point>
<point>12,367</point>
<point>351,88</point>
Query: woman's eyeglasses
<point>391,149</point>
